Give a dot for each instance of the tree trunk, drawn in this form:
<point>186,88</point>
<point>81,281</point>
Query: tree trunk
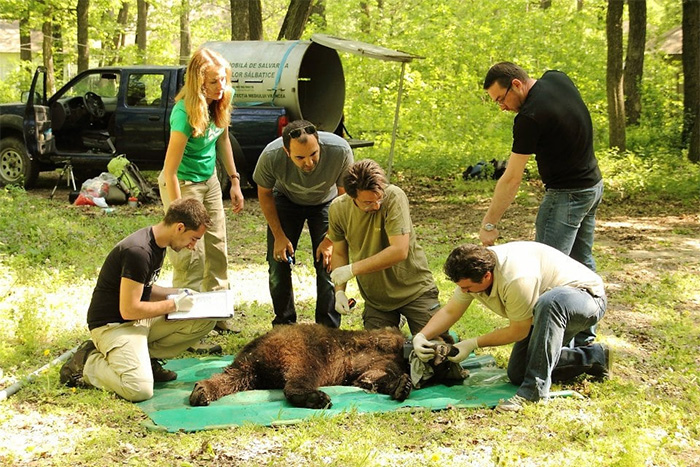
<point>295,20</point>
<point>365,18</point>
<point>25,38</point>
<point>57,41</point>
<point>240,25</point>
<point>185,37</point>
<point>122,18</point>
<point>141,28</point>
<point>246,20</point>
<point>544,4</point>
<point>83,48</point>
<point>255,25</point>
<point>579,5</point>
<point>47,49</point>
<point>691,78</point>
<point>616,103</point>
<point>118,37</point>
<point>634,66</point>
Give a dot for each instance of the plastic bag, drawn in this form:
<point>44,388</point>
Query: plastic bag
<point>94,190</point>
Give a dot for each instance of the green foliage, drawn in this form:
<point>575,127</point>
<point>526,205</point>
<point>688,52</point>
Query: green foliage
<point>447,121</point>
<point>662,176</point>
<point>15,82</point>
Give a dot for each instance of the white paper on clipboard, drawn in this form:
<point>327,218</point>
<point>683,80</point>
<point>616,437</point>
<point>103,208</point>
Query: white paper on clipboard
<point>217,305</point>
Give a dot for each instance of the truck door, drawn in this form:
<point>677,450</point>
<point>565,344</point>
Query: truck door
<point>140,123</point>
<point>38,136</point>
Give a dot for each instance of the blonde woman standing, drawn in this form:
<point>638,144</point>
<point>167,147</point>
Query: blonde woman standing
<point>198,134</point>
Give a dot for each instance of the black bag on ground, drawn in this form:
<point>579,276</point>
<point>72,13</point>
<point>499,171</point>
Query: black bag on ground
<point>493,169</point>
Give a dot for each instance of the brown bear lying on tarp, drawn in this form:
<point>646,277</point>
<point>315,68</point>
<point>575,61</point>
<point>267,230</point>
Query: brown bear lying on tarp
<point>299,358</point>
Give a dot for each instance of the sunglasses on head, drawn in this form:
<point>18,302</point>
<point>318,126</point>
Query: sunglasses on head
<point>297,132</point>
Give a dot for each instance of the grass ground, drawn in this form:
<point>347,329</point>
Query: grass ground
<point>648,252</point>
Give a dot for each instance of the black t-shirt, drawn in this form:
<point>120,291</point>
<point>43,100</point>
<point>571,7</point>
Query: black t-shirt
<point>554,124</point>
<point>138,258</point>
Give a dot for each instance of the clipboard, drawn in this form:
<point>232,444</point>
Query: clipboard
<point>217,304</point>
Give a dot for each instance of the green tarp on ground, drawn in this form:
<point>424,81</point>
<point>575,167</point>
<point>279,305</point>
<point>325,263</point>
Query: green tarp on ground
<point>169,408</point>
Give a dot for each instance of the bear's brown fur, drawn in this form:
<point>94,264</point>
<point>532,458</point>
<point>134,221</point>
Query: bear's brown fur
<point>300,358</point>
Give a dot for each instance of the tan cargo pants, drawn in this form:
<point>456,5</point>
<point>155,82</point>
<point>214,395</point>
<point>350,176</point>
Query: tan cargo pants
<point>206,267</point>
<point>123,361</point>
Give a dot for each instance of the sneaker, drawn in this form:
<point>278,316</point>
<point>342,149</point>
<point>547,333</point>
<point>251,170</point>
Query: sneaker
<point>514,404</point>
<point>71,373</point>
<point>160,374</point>
<point>226,327</point>
<point>604,371</point>
<point>202,348</point>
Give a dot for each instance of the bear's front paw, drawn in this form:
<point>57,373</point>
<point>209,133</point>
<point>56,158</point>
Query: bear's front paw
<point>199,396</point>
<point>318,400</point>
<point>403,389</point>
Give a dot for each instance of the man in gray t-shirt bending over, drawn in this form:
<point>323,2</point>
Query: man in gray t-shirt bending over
<point>298,175</point>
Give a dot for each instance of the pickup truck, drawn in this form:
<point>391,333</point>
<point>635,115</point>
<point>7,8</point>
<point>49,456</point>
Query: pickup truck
<point>103,112</point>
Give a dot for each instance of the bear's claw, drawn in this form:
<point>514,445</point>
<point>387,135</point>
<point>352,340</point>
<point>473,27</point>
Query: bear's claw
<point>403,388</point>
<point>199,396</point>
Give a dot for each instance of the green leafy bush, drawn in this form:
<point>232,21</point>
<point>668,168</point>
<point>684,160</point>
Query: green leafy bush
<point>15,82</point>
<point>661,175</point>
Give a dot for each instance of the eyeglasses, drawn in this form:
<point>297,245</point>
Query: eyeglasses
<point>297,132</point>
<point>502,99</point>
<point>369,205</point>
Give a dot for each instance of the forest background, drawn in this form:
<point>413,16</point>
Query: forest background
<point>646,243</point>
<point>446,121</point>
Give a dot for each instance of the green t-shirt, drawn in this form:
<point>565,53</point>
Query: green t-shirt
<point>367,233</point>
<point>199,160</point>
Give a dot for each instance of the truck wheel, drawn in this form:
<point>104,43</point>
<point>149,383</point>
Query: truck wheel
<point>239,160</point>
<point>244,171</point>
<point>16,168</point>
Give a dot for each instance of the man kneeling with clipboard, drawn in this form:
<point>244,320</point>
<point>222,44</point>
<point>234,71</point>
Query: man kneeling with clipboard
<point>127,313</point>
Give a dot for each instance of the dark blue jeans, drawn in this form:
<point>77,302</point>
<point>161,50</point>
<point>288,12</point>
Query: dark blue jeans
<point>542,356</point>
<point>566,221</point>
<point>292,218</point>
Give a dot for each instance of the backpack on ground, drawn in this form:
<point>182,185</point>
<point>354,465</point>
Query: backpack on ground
<point>131,180</point>
<point>493,169</point>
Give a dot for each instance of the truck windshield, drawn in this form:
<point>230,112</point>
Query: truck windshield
<point>104,85</point>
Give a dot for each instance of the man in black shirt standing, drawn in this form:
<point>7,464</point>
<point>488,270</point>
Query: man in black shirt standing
<point>553,123</point>
<point>127,312</point>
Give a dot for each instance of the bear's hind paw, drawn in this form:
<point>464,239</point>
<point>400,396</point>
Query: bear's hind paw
<point>311,400</point>
<point>403,389</point>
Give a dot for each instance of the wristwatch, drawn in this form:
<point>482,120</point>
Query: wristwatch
<point>234,175</point>
<point>489,227</point>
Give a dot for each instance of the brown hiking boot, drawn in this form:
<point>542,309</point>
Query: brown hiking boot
<point>160,374</point>
<point>71,373</point>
